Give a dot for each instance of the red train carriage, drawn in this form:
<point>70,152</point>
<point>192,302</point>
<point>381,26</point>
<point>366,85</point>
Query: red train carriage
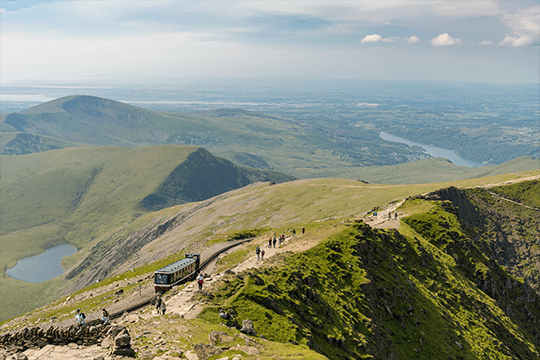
<point>176,273</point>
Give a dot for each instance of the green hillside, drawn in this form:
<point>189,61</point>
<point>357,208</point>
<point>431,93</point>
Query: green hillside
<point>372,294</point>
<point>429,289</point>
<point>73,196</point>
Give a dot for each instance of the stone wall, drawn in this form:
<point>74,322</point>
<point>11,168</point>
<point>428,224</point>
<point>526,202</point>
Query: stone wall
<point>113,336</point>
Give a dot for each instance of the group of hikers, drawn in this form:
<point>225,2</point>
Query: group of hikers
<point>80,317</point>
<point>389,215</point>
<point>160,306</point>
<point>272,241</point>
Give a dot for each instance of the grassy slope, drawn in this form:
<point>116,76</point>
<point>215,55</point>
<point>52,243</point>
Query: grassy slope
<point>438,170</point>
<point>257,206</point>
<point>369,294</point>
<point>428,293</point>
<point>6,137</point>
<point>70,196</point>
<point>77,195</point>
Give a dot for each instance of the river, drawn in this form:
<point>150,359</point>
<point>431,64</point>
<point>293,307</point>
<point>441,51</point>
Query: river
<point>433,151</point>
<point>42,267</point>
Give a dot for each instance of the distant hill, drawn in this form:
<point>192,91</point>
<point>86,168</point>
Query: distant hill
<point>26,143</point>
<point>74,195</point>
<point>241,136</point>
<point>246,138</point>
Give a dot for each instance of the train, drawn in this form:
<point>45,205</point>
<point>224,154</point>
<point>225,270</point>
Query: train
<point>177,273</point>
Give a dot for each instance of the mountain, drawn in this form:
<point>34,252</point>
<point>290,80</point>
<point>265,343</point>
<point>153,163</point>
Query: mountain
<point>296,147</point>
<point>74,195</point>
<point>428,285</point>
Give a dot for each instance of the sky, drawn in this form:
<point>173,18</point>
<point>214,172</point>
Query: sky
<point>158,41</point>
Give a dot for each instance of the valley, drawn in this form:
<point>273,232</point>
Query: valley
<point>133,189</point>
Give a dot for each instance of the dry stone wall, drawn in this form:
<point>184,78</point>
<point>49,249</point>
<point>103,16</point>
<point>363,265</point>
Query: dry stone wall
<point>114,336</point>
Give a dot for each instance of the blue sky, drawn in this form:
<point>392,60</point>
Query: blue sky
<point>141,41</point>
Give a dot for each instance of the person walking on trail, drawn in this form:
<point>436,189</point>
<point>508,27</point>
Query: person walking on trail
<point>79,317</point>
<point>158,305</point>
<point>163,308</point>
<point>262,254</point>
<point>389,216</point>
<point>104,317</point>
<point>274,241</point>
<point>270,242</point>
<point>303,230</point>
<point>395,215</point>
<point>200,281</point>
<point>257,251</point>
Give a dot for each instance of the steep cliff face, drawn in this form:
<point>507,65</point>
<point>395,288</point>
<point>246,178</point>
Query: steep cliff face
<point>504,223</point>
<point>376,294</point>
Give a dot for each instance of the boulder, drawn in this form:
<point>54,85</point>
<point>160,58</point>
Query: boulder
<point>122,340</point>
<point>248,327</point>
<point>115,330</point>
<point>218,337</point>
<point>204,351</point>
<point>250,350</point>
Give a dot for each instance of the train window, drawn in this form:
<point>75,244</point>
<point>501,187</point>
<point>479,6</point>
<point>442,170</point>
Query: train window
<point>161,279</point>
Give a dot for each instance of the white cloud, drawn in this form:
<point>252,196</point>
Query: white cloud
<point>486,42</point>
<point>525,25</point>
<point>516,41</point>
<point>412,40</point>
<point>445,40</point>
<point>375,38</point>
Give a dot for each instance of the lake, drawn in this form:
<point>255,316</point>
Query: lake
<point>433,151</point>
<point>42,267</point>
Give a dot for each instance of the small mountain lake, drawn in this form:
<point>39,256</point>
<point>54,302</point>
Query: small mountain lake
<point>42,267</point>
<point>433,151</point>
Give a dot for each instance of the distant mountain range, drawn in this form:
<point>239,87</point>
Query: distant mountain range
<point>244,137</point>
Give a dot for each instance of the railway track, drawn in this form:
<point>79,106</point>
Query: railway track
<point>150,299</point>
<point>149,296</point>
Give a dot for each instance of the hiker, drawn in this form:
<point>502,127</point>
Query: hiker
<point>262,254</point>
<point>293,232</point>
<point>158,304</point>
<point>375,213</point>
<point>303,230</point>
<point>224,315</point>
<point>257,251</point>
<point>270,242</point>
<point>163,308</point>
<point>395,216</point>
<point>79,317</point>
<point>274,241</point>
<point>104,317</point>
<point>200,280</point>
<point>389,216</point>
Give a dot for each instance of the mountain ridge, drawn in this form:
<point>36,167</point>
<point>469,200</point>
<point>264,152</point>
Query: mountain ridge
<point>424,290</point>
